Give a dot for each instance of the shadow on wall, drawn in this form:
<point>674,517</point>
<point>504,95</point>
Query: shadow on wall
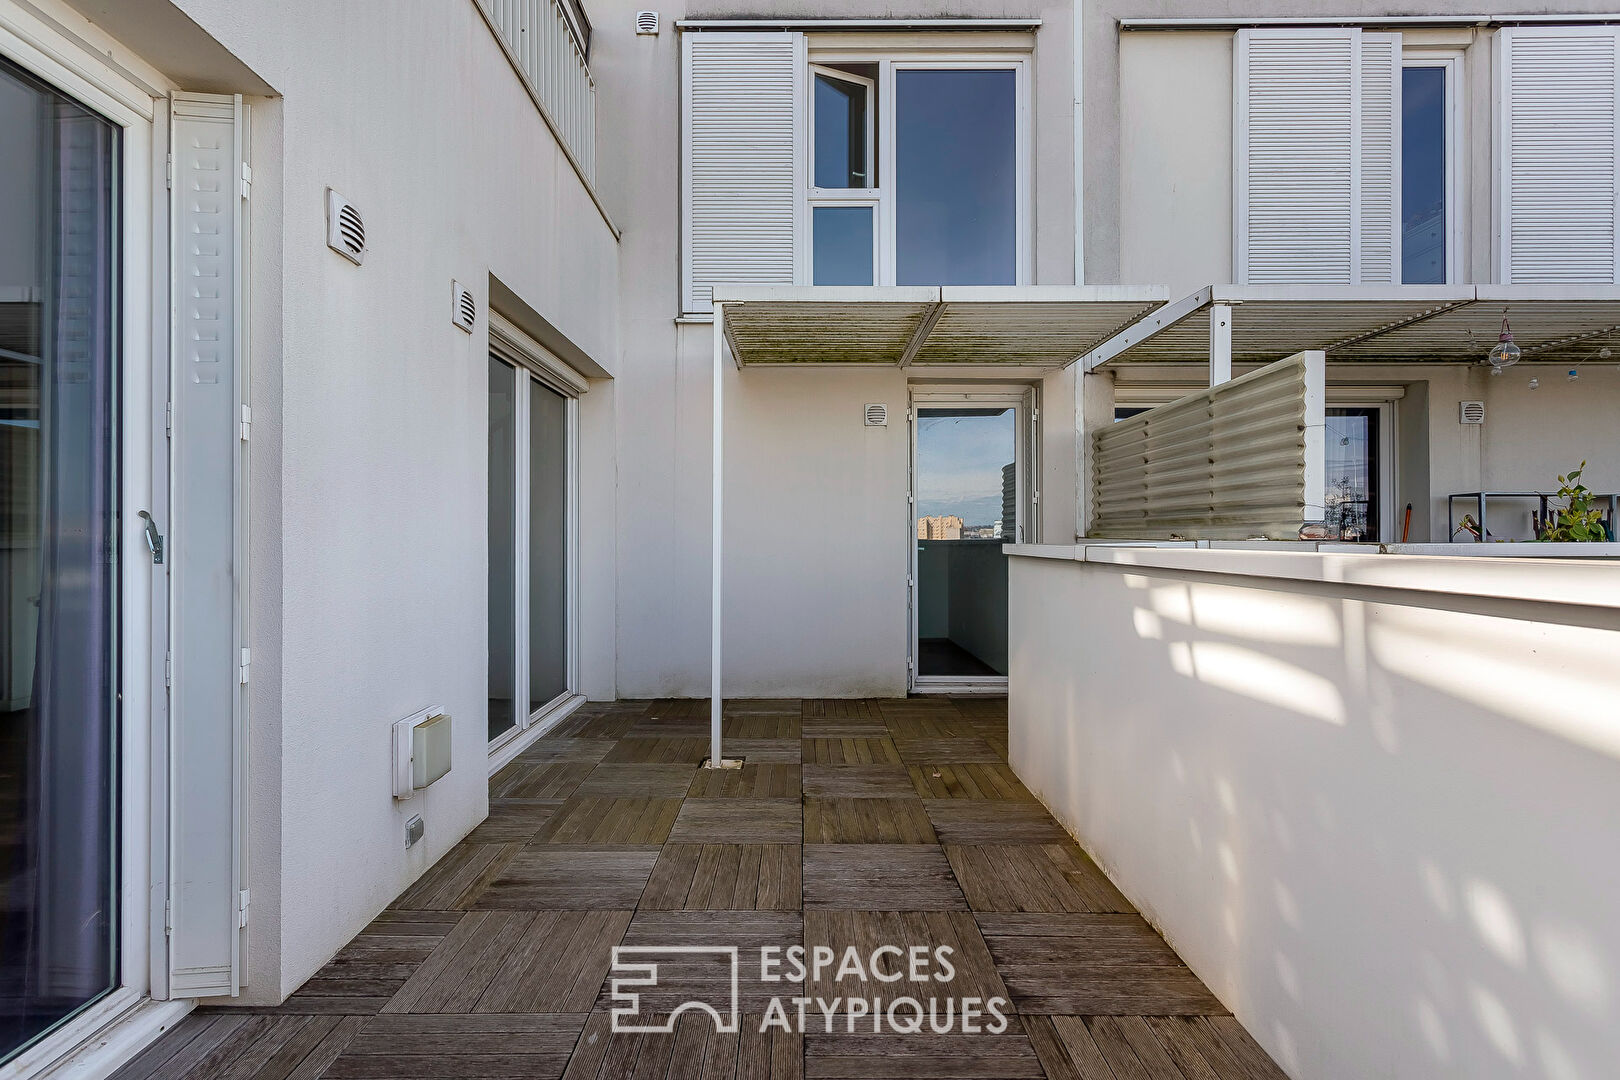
<point>1385,834</point>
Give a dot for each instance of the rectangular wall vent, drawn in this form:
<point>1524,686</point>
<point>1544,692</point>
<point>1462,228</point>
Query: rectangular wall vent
<point>463,306</point>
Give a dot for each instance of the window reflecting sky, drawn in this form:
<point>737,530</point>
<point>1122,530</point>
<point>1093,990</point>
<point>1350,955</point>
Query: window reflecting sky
<point>840,133</point>
<point>959,462</point>
<point>1423,175</point>
<point>956,175</point>
<point>843,245</point>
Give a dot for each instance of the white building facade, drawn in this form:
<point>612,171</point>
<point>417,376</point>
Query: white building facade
<point>367,360</point>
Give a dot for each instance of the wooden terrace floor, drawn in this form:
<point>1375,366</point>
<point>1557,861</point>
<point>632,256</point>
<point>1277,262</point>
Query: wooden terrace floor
<point>864,823</point>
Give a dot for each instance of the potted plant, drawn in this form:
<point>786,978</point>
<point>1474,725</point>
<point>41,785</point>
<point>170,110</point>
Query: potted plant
<point>1580,520</point>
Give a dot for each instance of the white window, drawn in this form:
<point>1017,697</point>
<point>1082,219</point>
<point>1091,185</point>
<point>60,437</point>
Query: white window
<point>533,409</point>
<point>1558,154</point>
<point>857,167</point>
<point>918,170</point>
<point>1431,139</point>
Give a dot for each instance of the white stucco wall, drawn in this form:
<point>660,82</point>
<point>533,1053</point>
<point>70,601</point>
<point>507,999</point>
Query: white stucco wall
<point>1378,822</point>
<point>369,505</point>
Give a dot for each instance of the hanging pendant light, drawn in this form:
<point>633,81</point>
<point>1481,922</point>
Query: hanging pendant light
<point>1504,353</point>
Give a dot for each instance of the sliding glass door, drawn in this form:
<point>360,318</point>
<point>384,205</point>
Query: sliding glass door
<point>59,395</point>
<point>531,550</point>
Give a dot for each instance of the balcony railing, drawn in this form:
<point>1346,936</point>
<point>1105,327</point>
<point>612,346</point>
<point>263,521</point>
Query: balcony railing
<point>545,48</point>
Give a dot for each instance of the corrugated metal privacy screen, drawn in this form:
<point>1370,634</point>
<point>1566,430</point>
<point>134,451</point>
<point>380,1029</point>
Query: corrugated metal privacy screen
<point>1238,460</point>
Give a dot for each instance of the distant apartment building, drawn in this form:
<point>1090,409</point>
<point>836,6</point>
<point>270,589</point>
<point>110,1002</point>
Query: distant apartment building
<point>944,527</point>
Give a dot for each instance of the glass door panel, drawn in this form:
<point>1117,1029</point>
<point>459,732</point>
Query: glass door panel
<point>503,463</point>
<point>1354,497</point>
<point>58,558</point>
<point>967,499</point>
<point>548,545</point>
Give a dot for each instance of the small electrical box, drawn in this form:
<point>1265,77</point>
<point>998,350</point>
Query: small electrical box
<point>421,750</point>
<point>414,830</point>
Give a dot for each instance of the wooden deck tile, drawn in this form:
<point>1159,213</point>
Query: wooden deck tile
<point>993,821</point>
<point>610,820</point>
<point>972,781</point>
<point>1076,964</point>
<point>645,781</point>
<point>463,872</point>
<point>851,751</point>
<point>959,750</point>
<point>857,781</point>
<point>706,976</point>
<point>460,1046</point>
<point>542,877</point>
<point>749,782</point>
<point>764,751</point>
<point>920,1057</point>
<point>838,709</point>
<point>880,877</point>
<point>693,1051</point>
<point>761,725</point>
<point>867,821</point>
<point>1033,878</point>
<point>662,750</point>
<point>737,877</point>
<point>547,748</point>
<point>868,728</point>
<point>974,973</point>
<point>693,727</point>
<point>543,780</point>
<point>739,821</point>
<point>513,821</point>
<point>588,724</point>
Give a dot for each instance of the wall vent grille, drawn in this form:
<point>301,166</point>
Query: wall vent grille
<point>345,228</point>
<point>647,22</point>
<point>1471,412</point>
<point>463,306</point>
<point>877,416</point>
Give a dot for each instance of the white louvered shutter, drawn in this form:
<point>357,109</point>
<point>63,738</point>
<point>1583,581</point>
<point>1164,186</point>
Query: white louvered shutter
<point>206,548</point>
<point>743,146</point>
<point>1556,146</point>
<point>1380,98</point>
<point>1316,124</point>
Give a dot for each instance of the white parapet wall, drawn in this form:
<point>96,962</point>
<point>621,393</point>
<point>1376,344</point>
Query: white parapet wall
<point>1372,799</point>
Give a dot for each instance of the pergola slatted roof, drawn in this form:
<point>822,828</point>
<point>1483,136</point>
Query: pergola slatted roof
<point>1392,323</point>
<point>1036,326</point>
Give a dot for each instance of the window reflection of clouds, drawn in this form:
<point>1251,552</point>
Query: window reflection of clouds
<point>959,462</point>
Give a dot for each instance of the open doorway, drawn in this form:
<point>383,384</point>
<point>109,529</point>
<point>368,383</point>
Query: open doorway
<point>972,490</point>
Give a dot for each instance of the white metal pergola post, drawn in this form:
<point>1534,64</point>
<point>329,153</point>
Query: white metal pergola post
<point>715,702</point>
<point>1220,344</point>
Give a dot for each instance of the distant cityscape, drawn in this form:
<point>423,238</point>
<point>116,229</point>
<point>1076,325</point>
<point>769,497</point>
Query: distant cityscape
<point>951,527</point>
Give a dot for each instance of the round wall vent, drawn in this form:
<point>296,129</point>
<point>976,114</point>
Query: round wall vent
<point>877,416</point>
<point>345,228</point>
<point>646,22</point>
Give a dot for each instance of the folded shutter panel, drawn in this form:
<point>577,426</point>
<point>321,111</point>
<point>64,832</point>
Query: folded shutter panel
<point>1316,137</point>
<point>1380,157</point>
<point>743,153</point>
<point>207,708</point>
<point>1557,154</point>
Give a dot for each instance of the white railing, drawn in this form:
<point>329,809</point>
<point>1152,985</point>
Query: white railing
<point>541,44</point>
<point>1241,459</point>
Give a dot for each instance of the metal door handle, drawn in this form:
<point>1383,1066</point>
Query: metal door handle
<point>154,539</point>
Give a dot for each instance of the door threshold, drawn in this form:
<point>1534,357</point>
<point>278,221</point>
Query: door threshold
<point>553,715</point>
<point>949,684</point>
<point>99,1042</point>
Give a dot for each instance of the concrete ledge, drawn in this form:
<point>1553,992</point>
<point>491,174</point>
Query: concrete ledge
<point>1559,579</point>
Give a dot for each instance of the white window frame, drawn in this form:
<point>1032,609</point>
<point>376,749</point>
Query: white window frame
<point>74,68</point>
<point>532,361</point>
<point>883,195</point>
<point>1025,402</point>
<point>1449,59</point>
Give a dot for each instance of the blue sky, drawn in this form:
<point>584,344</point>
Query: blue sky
<point>959,460</point>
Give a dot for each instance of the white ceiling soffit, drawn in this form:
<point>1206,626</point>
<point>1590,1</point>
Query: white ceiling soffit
<point>1037,326</point>
<point>1433,323</point>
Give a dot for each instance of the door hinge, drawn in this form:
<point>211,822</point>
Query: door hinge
<point>168,168</point>
<point>247,661</point>
<point>168,923</point>
<point>1035,415</point>
<point>247,420</point>
<point>168,669</point>
<point>241,909</point>
<point>911,500</point>
<point>910,581</point>
<point>247,180</point>
<point>168,419</point>
<point>1035,497</point>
